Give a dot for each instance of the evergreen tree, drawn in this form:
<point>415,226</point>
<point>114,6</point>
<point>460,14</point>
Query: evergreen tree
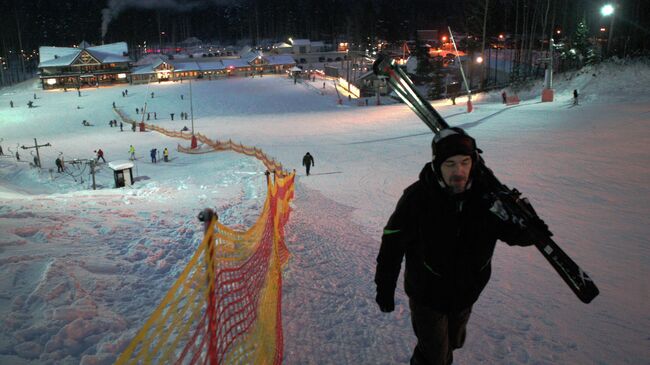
<point>437,84</point>
<point>583,47</point>
<point>424,67</point>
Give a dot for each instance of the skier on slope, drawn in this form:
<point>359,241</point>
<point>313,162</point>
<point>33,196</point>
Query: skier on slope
<point>444,226</point>
<point>100,155</point>
<point>308,162</point>
<point>132,152</point>
<point>59,164</point>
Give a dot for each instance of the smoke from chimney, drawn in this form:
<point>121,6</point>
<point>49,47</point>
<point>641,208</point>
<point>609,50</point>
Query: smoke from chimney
<point>115,7</point>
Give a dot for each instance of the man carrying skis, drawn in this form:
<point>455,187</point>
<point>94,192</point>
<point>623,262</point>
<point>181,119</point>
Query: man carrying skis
<point>308,162</point>
<point>446,226</point>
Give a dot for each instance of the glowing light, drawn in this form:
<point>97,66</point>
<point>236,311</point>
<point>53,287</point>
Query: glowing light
<point>121,76</point>
<point>607,10</point>
<point>444,38</point>
<point>501,37</point>
<point>479,59</point>
<point>51,81</point>
<point>603,29</point>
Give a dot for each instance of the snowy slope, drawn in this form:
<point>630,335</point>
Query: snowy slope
<point>82,269</point>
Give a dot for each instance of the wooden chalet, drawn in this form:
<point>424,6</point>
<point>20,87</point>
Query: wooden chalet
<point>84,65</point>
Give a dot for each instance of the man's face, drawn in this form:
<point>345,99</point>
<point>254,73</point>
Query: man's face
<point>455,172</point>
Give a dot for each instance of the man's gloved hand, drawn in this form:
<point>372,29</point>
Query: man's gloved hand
<point>541,225</point>
<point>385,300</point>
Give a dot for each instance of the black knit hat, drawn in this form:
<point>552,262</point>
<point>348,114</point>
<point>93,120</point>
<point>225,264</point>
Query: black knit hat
<point>451,142</point>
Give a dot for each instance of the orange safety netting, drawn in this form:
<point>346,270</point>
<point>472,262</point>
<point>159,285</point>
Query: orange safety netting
<point>270,163</point>
<point>225,307</point>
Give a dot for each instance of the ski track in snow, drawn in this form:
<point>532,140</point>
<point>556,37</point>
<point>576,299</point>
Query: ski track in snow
<point>328,293</point>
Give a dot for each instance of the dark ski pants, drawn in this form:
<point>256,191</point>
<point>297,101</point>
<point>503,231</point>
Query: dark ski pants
<point>438,333</point>
<point>307,167</point>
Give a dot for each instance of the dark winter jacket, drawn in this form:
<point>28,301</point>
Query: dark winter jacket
<point>308,160</point>
<point>448,241</point>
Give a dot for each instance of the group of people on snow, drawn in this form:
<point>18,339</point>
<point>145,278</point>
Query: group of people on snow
<point>153,153</point>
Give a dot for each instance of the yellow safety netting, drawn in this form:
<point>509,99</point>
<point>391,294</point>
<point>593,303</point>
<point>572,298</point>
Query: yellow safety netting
<point>225,307</point>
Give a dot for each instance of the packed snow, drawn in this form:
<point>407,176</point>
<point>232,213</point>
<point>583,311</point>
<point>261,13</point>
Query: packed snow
<point>82,269</point>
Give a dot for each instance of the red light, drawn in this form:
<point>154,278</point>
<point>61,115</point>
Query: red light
<point>444,38</point>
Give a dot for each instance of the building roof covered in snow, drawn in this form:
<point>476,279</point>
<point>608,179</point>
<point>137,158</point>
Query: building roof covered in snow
<point>281,45</point>
<point>235,63</point>
<point>251,56</point>
<point>300,42</point>
<point>84,44</point>
<point>211,66</point>
<point>121,165</point>
<point>280,60</point>
<point>185,66</point>
<point>65,56</point>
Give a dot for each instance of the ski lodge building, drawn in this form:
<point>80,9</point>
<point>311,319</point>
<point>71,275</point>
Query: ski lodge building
<point>93,66</point>
<point>252,63</point>
<point>84,65</point>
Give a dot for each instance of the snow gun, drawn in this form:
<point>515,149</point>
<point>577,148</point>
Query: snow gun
<point>512,206</point>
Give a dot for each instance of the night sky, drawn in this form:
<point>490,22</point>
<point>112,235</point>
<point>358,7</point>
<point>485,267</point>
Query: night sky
<point>33,23</point>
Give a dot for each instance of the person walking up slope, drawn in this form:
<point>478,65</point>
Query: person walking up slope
<point>308,162</point>
<point>446,225</point>
<point>132,152</point>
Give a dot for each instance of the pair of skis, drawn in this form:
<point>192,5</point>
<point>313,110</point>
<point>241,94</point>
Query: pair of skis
<point>514,206</point>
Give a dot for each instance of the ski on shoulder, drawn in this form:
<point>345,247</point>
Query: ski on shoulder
<point>511,205</point>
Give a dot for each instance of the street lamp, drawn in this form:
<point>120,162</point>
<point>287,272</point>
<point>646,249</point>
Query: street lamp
<point>608,10</point>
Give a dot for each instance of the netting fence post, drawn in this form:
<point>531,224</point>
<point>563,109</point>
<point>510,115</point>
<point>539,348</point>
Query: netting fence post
<point>209,217</point>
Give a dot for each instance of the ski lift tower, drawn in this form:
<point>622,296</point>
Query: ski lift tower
<point>193,143</point>
<point>547,93</point>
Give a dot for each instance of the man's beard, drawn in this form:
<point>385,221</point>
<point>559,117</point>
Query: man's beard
<point>457,183</point>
